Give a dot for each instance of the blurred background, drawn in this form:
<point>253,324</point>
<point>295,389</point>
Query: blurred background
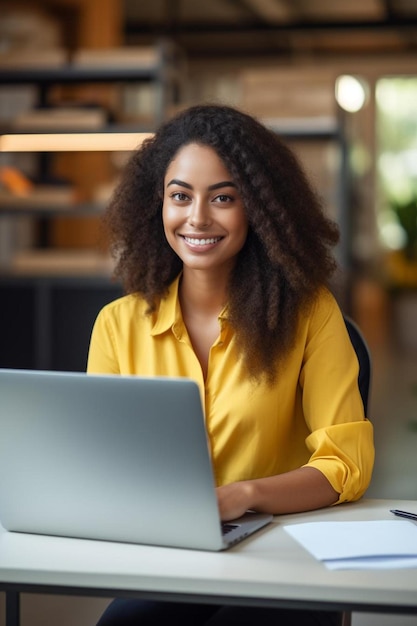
<point>80,80</point>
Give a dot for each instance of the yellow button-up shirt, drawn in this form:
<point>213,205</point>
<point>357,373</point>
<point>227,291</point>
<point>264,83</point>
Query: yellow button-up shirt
<point>313,414</point>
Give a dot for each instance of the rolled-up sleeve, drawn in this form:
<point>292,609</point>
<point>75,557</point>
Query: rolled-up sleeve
<point>341,437</point>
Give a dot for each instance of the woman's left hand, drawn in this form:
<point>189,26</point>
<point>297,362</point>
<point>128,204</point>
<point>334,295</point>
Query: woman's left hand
<point>234,500</point>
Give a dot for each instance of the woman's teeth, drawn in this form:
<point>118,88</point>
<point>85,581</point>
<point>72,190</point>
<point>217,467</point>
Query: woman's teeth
<point>201,242</point>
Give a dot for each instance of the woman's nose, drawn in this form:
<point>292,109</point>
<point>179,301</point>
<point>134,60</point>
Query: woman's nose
<point>199,215</point>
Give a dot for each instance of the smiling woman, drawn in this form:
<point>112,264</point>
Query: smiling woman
<point>225,254</point>
<point>205,223</point>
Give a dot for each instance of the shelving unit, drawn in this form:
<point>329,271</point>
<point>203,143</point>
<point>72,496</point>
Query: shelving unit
<point>47,316</point>
<point>162,66</point>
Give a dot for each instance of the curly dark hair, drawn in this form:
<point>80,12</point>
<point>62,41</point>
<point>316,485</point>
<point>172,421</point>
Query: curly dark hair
<point>287,255</point>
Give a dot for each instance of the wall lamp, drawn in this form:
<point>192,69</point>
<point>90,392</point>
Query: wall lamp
<point>71,142</point>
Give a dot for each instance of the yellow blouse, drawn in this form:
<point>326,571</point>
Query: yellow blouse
<point>312,415</point>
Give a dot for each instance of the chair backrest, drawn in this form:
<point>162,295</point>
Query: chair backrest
<point>364,358</point>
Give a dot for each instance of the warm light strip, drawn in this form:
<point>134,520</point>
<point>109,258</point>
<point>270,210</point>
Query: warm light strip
<point>71,142</point>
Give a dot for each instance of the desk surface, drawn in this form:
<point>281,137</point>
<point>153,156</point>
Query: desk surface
<point>270,568</point>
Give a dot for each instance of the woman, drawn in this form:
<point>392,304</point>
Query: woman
<point>225,254</point>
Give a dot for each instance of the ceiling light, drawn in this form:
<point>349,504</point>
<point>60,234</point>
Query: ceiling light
<point>351,93</point>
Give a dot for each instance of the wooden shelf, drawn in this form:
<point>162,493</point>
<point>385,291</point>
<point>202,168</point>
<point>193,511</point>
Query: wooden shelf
<point>51,297</point>
<point>78,209</point>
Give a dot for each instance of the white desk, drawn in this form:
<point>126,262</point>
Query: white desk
<point>269,569</point>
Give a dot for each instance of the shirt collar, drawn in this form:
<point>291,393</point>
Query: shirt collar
<point>169,310</point>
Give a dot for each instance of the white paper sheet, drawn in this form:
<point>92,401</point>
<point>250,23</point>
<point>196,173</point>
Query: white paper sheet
<point>381,544</point>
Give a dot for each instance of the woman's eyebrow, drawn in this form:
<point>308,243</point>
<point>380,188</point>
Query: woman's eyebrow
<point>225,183</point>
<point>176,181</point>
<point>181,183</point>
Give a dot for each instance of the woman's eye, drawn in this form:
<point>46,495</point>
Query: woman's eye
<point>223,198</point>
<point>179,196</point>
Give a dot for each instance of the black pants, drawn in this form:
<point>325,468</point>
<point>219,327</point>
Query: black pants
<point>147,613</point>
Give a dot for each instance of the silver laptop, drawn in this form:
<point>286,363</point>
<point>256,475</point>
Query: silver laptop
<point>120,458</point>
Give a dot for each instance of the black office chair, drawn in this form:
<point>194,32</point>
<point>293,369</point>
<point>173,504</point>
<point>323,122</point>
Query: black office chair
<point>364,358</point>
<point>364,382</point>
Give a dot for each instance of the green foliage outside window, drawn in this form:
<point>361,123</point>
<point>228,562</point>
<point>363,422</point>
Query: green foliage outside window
<point>397,163</point>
